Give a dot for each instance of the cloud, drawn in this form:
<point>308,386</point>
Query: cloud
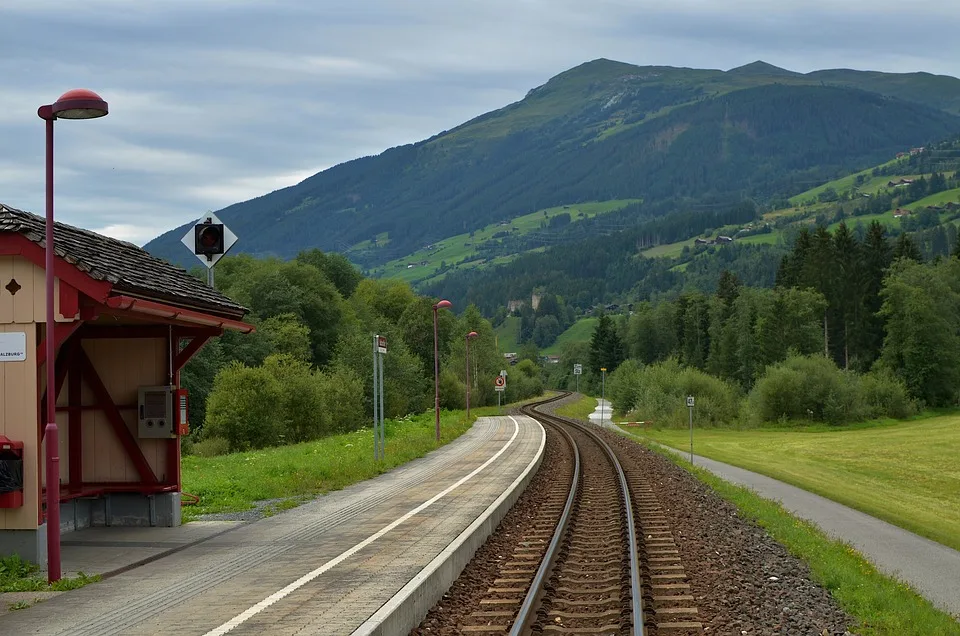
<point>218,101</point>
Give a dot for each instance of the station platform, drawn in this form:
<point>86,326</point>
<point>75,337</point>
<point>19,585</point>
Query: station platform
<point>369,559</point>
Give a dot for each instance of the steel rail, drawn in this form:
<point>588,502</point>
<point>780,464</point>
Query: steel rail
<point>536,591</point>
<point>549,559</point>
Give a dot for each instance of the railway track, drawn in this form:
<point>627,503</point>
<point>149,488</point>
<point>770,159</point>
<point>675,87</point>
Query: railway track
<point>598,558</point>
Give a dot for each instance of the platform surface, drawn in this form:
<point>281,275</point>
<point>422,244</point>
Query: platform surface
<point>322,568</point>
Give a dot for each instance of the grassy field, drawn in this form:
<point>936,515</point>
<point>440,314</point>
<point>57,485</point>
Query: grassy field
<point>508,335</point>
<point>579,410</point>
<point>580,331</point>
<point>905,473</point>
<point>17,575</point>
<point>451,250</point>
<point>881,605</point>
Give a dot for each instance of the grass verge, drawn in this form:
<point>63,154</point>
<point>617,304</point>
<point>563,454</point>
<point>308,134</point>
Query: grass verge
<point>286,476</point>
<point>902,472</point>
<point>17,575</point>
<point>881,604</point>
<point>580,409</point>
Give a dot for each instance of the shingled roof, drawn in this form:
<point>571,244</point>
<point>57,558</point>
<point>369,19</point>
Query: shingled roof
<point>130,269</point>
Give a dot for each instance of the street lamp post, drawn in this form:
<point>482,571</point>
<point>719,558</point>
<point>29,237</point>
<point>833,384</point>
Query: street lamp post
<point>436,365</point>
<point>472,334</point>
<point>75,104</point>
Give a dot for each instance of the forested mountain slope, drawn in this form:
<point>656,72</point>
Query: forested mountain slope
<point>601,131</point>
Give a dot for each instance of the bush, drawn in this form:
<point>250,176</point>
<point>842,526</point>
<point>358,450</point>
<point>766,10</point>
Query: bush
<point>887,395</point>
<point>814,388</point>
<point>245,407</point>
<point>658,392</point>
<point>341,401</point>
<point>211,447</point>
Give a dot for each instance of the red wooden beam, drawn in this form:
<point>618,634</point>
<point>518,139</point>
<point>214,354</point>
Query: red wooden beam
<point>180,315</point>
<point>129,442</point>
<point>69,300</point>
<point>61,331</point>
<point>189,351</point>
<point>99,332</point>
<point>75,422</point>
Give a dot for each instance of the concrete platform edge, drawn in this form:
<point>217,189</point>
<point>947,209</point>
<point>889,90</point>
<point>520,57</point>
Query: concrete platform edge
<point>408,607</point>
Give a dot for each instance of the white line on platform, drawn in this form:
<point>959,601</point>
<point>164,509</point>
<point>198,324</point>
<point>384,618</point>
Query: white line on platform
<point>310,576</point>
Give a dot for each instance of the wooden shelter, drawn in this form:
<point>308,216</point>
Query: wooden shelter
<point>124,320</point>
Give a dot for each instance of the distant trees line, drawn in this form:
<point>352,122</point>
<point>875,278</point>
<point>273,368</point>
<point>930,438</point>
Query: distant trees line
<point>306,371</point>
<point>853,329</point>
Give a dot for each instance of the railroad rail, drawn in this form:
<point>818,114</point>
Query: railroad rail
<point>589,578</point>
<point>596,557</point>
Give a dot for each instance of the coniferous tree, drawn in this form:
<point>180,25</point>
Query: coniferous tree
<point>877,256</point>
<point>906,248</point>
<point>848,281</point>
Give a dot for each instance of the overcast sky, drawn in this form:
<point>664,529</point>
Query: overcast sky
<point>217,101</point>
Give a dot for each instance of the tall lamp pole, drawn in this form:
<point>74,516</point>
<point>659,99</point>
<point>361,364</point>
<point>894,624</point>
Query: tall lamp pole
<point>436,365</point>
<point>75,104</point>
<point>472,334</point>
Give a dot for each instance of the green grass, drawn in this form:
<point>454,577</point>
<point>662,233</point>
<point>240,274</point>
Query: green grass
<point>296,473</point>
<point>846,183</point>
<point>580,331</point>
<point>904,473</point>
<point>508,335</point>
<point>455,248</point>
<point>881,604</point>
<point>579,410</point>
<point>17,575</point>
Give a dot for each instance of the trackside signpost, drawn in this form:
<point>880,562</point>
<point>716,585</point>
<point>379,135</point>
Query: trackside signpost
<point>500,385</point>
<point>690,406</point>
<point>578,371</point>
<point>209,239</point>
<point>379,430</point>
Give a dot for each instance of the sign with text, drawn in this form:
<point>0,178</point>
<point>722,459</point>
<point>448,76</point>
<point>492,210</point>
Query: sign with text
<point>381,344</point>
<point>690,401</point>
<point>578,369</point>
<point>13,346</point>
<point>500,384</point>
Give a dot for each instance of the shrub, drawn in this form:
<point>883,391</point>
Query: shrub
<point>887,395</point>
<point>245,407</point>
<point>341,400</point>
<point>658,392</point>
<point>211,447</point>
<point>814,388</point>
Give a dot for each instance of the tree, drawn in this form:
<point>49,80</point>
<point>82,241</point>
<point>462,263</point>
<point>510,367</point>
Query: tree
<point>606,348</point>
<point>906,249</point>
<point>921,306</point>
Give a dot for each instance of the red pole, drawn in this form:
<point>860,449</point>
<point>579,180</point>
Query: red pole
<point>50,432</point>
<point>468,377</point>
<point>436,374</point>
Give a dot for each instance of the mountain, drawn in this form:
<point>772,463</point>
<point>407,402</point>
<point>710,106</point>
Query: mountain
<point>601,131</point>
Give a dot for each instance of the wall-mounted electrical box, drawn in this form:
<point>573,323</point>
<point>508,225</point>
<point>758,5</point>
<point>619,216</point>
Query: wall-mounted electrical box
<point>155,411</point>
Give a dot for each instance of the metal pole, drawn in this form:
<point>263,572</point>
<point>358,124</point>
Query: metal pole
<point>376,443</point>
<point>210,276</point>
<point>691,435</point>
<point>50,431</point>
<point>578,382</point>
<point>468,377</point>
<point>383,429</point>
<point>436,375</point>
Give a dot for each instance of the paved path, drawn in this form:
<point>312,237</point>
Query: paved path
<point>322,568</point>
<point>930,568</point>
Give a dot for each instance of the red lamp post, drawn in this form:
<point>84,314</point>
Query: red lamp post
<point>436,364</point>
<point>75,104</point>
<point>472,334</point>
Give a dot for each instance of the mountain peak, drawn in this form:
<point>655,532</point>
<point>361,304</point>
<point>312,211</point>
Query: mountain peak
<point>761,68</point>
